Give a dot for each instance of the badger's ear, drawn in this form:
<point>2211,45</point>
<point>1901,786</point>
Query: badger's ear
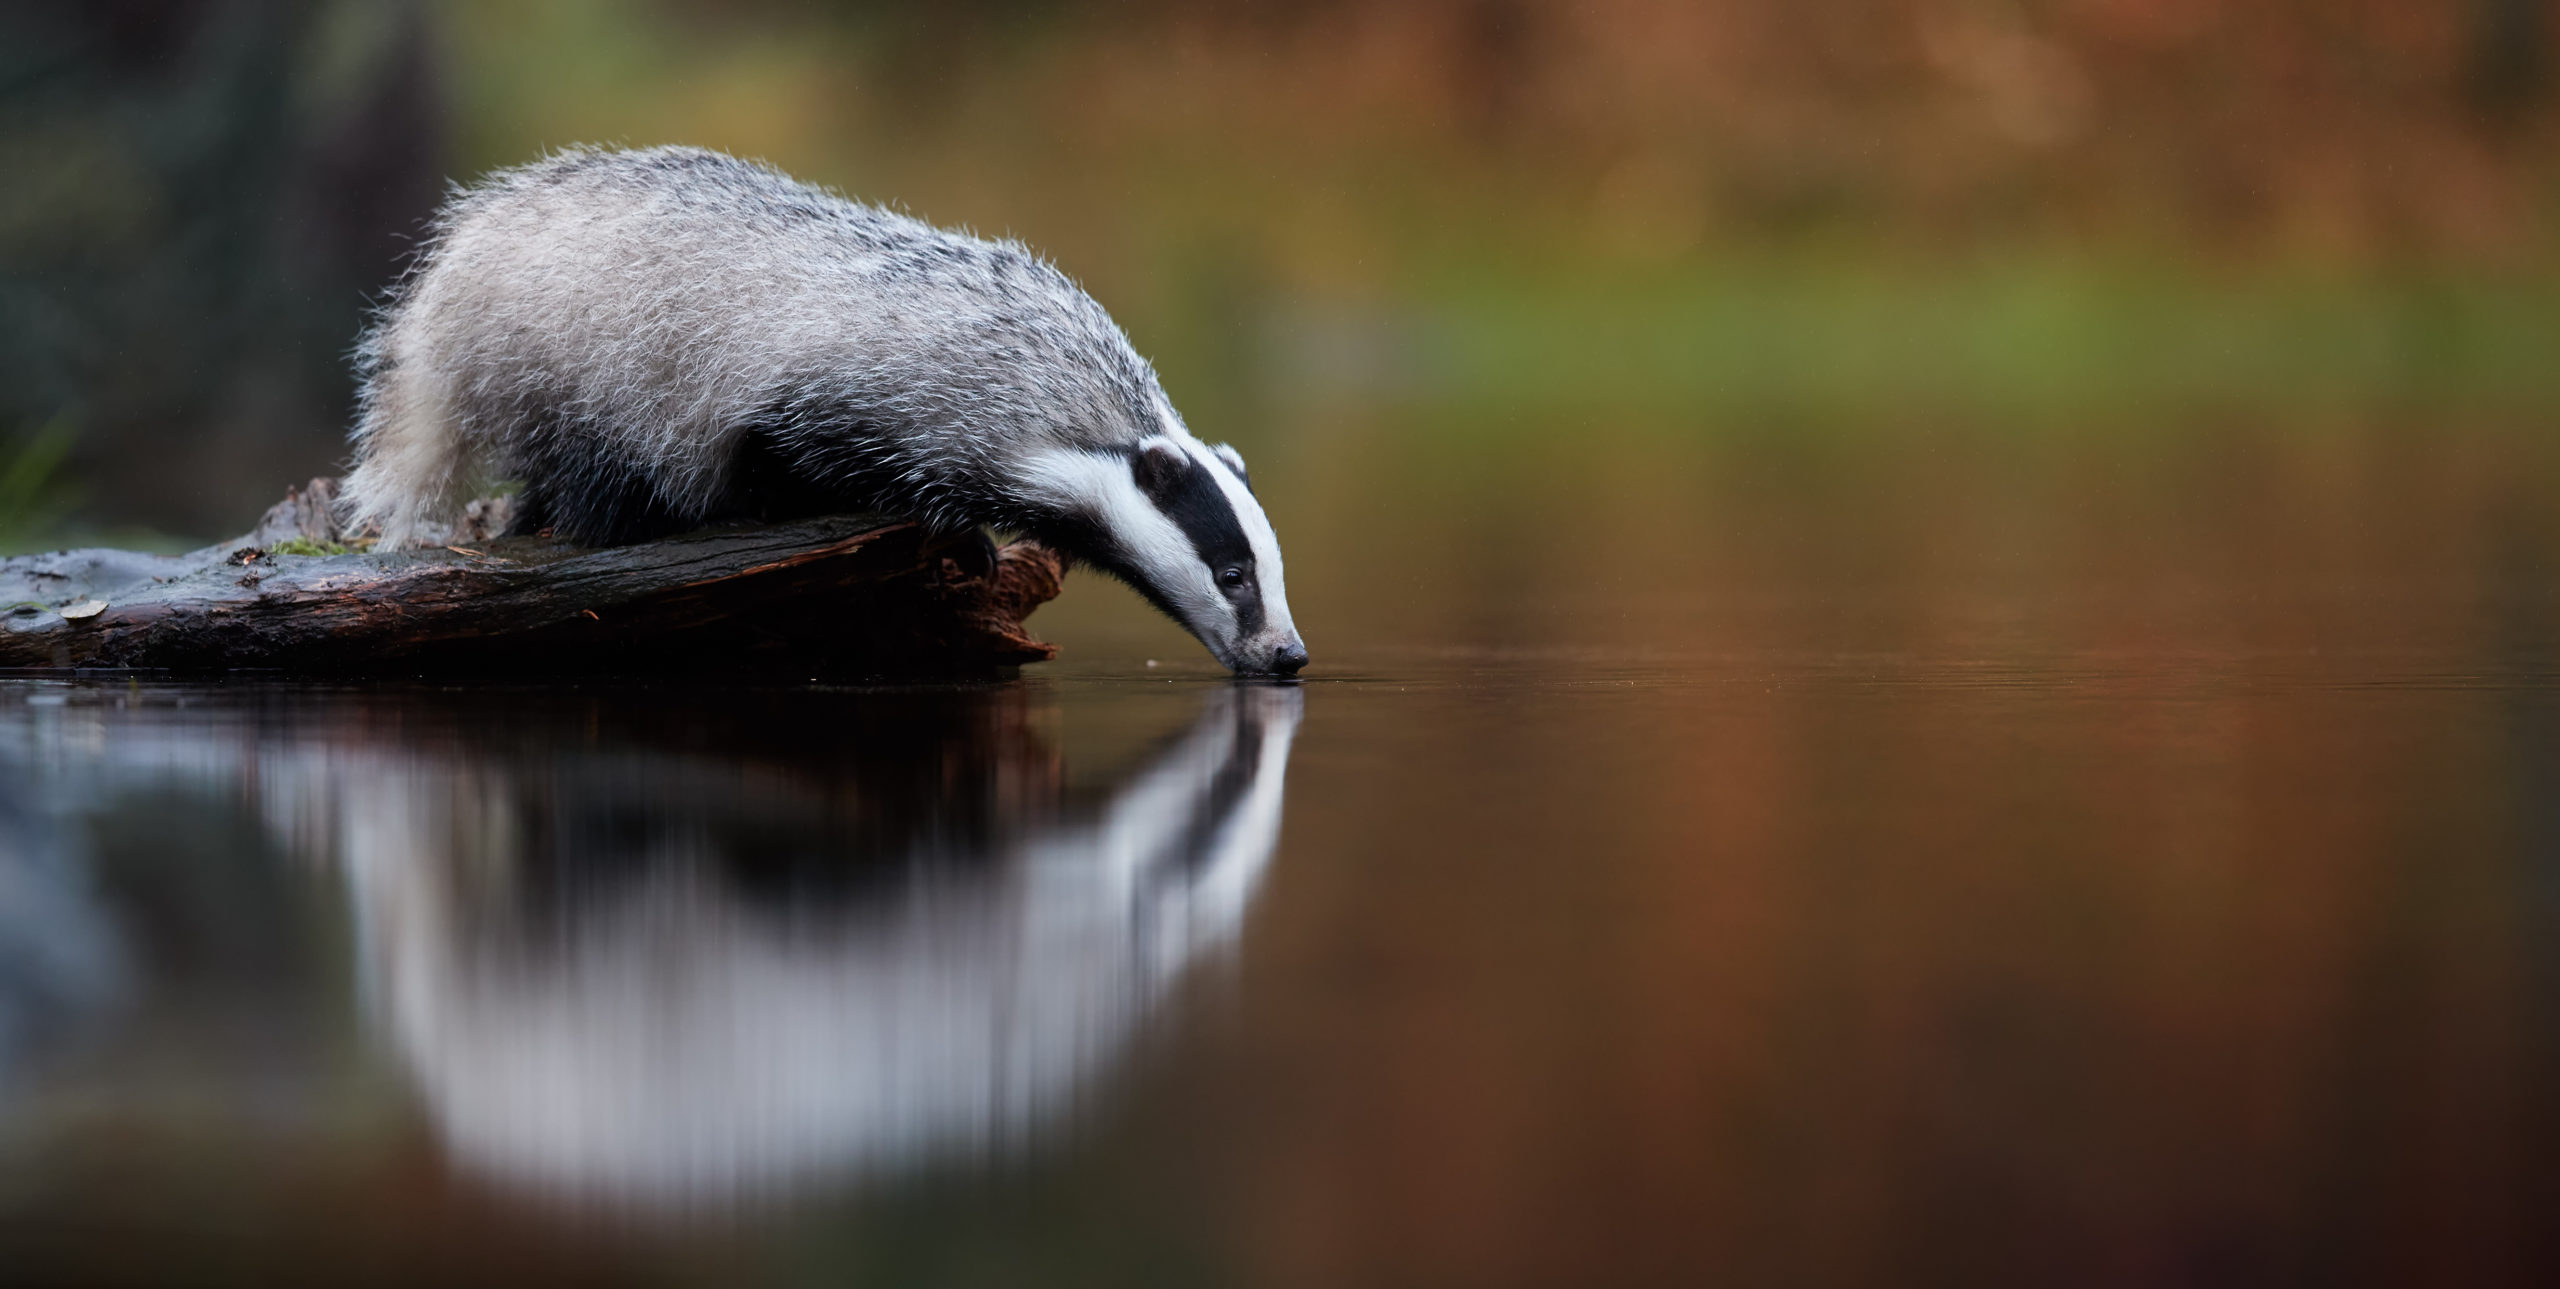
<point>1235,462</point>
<point>1159,467</point>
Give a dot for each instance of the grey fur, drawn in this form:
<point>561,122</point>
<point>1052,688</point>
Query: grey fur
<point>651,340</point>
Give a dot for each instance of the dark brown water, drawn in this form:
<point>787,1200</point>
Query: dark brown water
<point>1942,858</point>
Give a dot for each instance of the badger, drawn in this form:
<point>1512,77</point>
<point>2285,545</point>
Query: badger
<point>649,341</point>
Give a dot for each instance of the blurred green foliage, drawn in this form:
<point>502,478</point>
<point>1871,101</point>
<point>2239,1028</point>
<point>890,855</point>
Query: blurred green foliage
<point>2124,209</point>
<point>34,496</point>
<point>2027,339</point>
<point>1483,208</point>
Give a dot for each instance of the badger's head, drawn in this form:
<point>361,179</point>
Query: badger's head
<point>1176,519</point>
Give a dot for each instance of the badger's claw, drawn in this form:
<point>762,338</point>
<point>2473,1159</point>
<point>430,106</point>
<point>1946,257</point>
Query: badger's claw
<point>975,554</point>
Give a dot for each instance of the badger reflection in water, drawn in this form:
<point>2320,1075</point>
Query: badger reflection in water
<point>682,981</point>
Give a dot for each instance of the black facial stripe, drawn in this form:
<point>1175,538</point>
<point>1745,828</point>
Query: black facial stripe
<point>1192,499</point>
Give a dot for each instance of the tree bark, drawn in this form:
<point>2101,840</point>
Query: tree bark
<point>843,597</point>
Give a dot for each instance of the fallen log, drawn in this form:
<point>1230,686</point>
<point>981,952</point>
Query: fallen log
<point>841,596</point>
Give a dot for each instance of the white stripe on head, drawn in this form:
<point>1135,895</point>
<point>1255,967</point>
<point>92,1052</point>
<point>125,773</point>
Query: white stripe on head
<point>1101,487</point>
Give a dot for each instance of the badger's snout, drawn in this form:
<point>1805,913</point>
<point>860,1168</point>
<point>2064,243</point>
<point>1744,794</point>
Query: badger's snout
<point>1288,659</point>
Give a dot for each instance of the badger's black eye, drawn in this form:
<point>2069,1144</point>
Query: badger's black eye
<point>1231,577</point>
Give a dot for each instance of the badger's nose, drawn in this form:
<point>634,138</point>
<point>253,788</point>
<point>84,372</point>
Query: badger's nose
<point>1290,658</point>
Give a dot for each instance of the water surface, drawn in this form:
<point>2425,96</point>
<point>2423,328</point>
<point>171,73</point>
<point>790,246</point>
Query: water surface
<point>1950,858</point>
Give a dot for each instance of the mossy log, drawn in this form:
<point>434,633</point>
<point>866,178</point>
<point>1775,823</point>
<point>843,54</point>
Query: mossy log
<point>845,596</point>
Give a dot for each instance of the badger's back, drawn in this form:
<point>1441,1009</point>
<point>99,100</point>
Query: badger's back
<point>649,339</point>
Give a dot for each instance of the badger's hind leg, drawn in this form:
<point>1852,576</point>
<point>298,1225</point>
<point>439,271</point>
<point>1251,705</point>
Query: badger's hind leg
<point>411,456</point>
<point>580,489</point>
